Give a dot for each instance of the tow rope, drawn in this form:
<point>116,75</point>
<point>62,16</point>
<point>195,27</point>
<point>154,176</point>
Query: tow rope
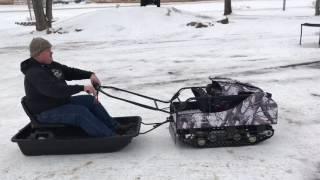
<point>156,101</point>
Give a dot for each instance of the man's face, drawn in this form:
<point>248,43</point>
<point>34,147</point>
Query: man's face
<point>45,57</point>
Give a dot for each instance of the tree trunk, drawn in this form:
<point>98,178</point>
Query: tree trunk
<point>49,12</point>
<point>317,7</point>
<point>29,8</point>
<point>284,5</point>
<point>41,23</point>
<point>227,7</point>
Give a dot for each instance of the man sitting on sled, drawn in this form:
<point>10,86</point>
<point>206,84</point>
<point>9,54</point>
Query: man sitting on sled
<point>49,97</point>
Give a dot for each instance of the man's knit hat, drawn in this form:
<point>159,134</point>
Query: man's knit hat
<point>38,45</point>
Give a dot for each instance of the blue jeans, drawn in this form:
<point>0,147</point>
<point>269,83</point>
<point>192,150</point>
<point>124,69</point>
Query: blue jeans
<point>84,112</point>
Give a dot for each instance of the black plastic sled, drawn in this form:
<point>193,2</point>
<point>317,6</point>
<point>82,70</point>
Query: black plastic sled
<point>71,140</point>
<point>48,139</point>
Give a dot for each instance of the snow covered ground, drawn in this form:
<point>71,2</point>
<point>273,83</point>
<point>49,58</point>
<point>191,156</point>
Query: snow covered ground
<point>151,51</point>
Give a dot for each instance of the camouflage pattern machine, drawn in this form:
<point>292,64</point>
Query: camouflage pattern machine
<point>223,113</point>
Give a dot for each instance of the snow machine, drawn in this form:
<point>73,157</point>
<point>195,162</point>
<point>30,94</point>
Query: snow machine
<point>46,139</point>
<point>147,2</point>
<point>223,113</point>
<point>226,112</point>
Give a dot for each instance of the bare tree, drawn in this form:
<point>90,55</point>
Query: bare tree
<point>284,5</point>
<point>317,8</point>
<point>49,12</point>
<point>227,7</point>
<point>43,21</point>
